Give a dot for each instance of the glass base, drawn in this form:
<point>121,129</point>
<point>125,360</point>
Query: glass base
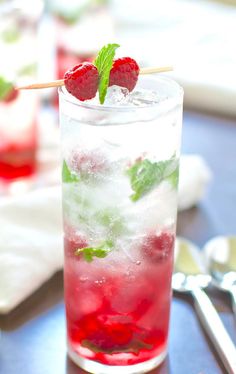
<point>97,368</point>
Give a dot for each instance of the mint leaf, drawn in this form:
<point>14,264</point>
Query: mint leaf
<point>71,16</point>
<point>68,176</point>
<point>11,35</point>
<point>27,70</point>
<point>103,62</point>
<point>111,218</point>
<point>132,347</point>
<point>144,175</point>
<point>173,178</point>
<point>90,252</point>
<point>5,88</point>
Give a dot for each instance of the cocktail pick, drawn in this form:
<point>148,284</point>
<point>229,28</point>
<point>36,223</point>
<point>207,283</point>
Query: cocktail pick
<point>60,82</point>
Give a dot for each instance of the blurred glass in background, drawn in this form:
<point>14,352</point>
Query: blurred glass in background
<point>81,28</point>
<point>18,110</point>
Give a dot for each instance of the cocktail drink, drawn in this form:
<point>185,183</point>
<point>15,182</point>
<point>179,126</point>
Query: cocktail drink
<point>18,137</point>
<point>120,176</point>
<point>18,110</point>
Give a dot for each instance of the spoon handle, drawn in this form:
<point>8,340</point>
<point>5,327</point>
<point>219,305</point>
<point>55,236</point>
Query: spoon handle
<point>233,294</point>
<point>215,329</point>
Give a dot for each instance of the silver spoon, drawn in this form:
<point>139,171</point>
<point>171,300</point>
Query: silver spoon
<point>190,276</point>
<point>220,254</point>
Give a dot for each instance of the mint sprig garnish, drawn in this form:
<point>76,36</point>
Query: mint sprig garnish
<point>68,176</point>
<point>104,62</point>
<point>144,175</point>
<point>100,251</point>
<point>5,88</point>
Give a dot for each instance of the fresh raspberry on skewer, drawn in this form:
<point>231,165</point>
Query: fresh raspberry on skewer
<point>82,81</point>
<point>124,73</point>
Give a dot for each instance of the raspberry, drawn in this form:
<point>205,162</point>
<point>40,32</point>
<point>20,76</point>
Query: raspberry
<point>82,81</point>
<point>11,96</point>
<point>107,336</point>
<point>124,73</point>
<point>157,247</point>
<point>88,162</point>
<point>120,334</point>
<point>73,241</point>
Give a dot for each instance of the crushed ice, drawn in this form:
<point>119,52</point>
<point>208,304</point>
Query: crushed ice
<point>142,97</point>
<point>120,96</point>
<point>116,95</point>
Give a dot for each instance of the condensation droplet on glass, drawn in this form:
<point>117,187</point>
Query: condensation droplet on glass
<point>100,281</point>
<point>83,279</point>
<point>130,275</point>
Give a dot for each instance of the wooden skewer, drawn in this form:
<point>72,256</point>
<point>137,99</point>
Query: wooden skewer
<point>60,82</point>
<point>35,86</point>
<point>156,70</point>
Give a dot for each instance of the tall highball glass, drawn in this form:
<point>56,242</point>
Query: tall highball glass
<point>120,167</point>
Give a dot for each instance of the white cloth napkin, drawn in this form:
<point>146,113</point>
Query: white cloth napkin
<point>30,244</point>
<point>31,248</point>
<point>194,176</point>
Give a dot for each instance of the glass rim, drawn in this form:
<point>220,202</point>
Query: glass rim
<point>109,108</point>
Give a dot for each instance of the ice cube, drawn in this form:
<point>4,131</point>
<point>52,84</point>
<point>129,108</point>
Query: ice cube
<point>89,301</point>
<point>142,97</point>
<point>117,95</point>
<point>136,291</point>
<point>155,208</point>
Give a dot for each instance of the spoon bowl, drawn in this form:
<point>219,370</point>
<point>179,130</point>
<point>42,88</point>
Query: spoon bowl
<point>220,254</point>
<point>190,276</point>
<point>189,271</point>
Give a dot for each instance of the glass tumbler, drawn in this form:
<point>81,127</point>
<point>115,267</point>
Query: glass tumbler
<point>18,112</point>
<point>120,176</point>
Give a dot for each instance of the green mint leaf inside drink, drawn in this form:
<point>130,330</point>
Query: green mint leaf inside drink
<point>112,219</point>
<point>103,62</point>
<point>173,178</point>
<point>145,174</point>
<point>11,35</point>
<point>67,175</point>
<point>134,348</point>
<point>70,17</point>
<point>100,251</point>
